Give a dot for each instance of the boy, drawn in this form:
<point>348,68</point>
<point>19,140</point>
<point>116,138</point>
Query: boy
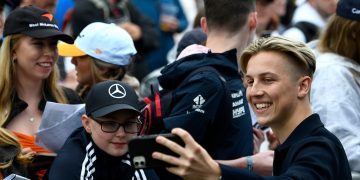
<point>99,149</point>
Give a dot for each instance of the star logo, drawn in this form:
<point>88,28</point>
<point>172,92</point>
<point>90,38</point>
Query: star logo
<point>117,91</point>
<point>48,16</point>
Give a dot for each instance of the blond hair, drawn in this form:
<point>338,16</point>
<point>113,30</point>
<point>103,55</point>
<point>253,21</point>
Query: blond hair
<point>8,77</point>
<point>341,36</point>
<point>296,51</point>
<point>7,140</point>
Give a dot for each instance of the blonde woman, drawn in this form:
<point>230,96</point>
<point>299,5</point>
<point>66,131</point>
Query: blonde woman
<point>101,52</point>
<point>29,75</point>
<point>11,158</point>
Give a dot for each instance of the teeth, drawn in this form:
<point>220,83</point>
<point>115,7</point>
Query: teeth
<point>45,64</point>
<point>263,105</point>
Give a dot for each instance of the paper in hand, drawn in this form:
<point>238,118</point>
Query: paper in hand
<point>58,122</point>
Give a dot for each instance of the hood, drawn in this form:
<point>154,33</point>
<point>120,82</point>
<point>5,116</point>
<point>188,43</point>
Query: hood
<point>174,73</point>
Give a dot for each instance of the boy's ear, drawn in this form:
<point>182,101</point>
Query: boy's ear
<point>86,123</point>
<point>304,86</point>
<point>203,24</point>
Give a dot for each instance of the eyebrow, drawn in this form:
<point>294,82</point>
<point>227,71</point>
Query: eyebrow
<point>262,74</point>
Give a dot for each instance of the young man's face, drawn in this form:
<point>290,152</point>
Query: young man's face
<point>105,135</point>
<point>271,88</point>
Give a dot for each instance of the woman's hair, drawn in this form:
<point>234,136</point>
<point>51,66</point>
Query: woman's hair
<point>112,72</point>
<point>8,78</point>
<point>11,150</point>
<point>341,36</point>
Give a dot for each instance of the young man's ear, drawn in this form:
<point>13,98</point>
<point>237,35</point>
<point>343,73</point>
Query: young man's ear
<point>304,86</point>
<point>86,123</point>
<point>203,24</point>
<point>252,21</point>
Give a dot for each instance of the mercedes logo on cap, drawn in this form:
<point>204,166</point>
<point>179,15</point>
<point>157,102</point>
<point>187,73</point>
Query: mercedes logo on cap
<point>117,91</point>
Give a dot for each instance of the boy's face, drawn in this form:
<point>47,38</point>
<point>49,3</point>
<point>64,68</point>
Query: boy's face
<point>271,88</point>
<point>113,143</point>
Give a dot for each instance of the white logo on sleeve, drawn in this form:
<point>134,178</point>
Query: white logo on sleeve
<point>199,101</point>
<point>117,91</point>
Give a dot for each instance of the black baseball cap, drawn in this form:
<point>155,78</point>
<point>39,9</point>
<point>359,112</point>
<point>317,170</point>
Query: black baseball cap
<point>349,9</point>
<point>110,96</point>
<point>34,22</point>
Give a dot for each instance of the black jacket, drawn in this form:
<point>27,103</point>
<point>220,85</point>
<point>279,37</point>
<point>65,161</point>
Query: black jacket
<point>310,152</point>
<point>215,114</point>
<point>19,105</point>
<point>80,158</point>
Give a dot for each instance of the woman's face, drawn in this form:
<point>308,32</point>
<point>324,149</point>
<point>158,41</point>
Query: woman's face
<point>113,143</point>
<point>34,58</point>
<point>83,69</point>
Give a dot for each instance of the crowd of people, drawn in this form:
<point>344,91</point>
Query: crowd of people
<point>290,67</point>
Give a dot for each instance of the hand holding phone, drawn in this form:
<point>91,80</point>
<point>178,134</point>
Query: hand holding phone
<point>142,147</point>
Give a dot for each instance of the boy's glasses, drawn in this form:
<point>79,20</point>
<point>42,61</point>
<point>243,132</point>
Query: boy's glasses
<point>131,127</point>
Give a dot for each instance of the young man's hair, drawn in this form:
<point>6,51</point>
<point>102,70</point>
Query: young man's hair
<point>295,51</point>
<point>229,15</point>
<point>341,36</point>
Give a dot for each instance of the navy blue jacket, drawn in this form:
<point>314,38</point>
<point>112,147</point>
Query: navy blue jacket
<point>218,119</point>
<point>310,152</point>
<point>80,158</point>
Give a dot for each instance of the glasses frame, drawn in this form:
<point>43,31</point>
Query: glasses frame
<point>138,122</point>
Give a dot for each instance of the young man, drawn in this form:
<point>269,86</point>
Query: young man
<point>278,75</point>
<point>99,149</point>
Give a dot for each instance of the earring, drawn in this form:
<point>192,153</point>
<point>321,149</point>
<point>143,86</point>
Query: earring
<point>14,60</point>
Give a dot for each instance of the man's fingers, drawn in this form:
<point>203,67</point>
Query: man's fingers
<point>173,146</point>
<point>186,137</point>
<point>166,158</point>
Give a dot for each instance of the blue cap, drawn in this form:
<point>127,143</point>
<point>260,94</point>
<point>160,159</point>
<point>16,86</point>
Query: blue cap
<point>349,9</point>
<point>106,42</point>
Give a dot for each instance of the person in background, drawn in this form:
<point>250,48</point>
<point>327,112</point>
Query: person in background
<point>309,19</point>
<point>169,18</point>
<point>100,52</point>
<point>335,94</point>
<point>99,149</point>
<point>29,75</point>
<point>278,74</point>
<point>124,14</point>
<point>211,104</point>
<point>12,161</point>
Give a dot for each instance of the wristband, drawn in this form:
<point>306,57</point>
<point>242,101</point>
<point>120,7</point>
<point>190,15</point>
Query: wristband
<point>250,163</point>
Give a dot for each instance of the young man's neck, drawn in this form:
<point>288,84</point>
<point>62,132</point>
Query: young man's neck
<point>286,127</point>
<point>221,41</point>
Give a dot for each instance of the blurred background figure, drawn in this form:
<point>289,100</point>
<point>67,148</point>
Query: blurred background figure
<point>268,14</point>
<point>309,19</point>
<point>169,19</point>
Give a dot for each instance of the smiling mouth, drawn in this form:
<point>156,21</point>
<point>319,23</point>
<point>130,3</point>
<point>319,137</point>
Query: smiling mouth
<point>45,64</point>
<point>262,106</point>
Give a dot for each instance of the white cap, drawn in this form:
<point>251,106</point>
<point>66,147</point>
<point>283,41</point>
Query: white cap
<point>106,42</point>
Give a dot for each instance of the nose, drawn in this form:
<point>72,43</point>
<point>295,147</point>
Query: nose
<point>48,50</point>
<point>254,90</point>
<point>121,131</point>
<point>74,60</point>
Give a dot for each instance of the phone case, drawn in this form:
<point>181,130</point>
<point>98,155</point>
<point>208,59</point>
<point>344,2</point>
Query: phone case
<point>142,147</point>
